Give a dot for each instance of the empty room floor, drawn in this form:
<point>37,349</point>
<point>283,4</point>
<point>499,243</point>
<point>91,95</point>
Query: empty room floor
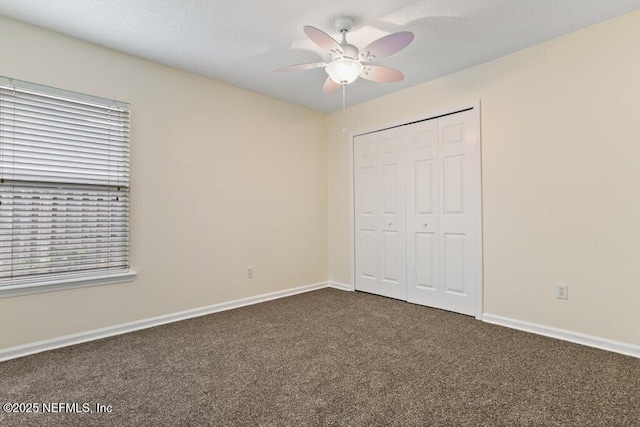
<point>328,357</point>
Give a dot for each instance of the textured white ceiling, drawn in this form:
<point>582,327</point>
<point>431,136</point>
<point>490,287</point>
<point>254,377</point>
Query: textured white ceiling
<point>240,42</point>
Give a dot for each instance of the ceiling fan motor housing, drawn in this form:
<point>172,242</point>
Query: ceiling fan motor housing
<point>350,51</point>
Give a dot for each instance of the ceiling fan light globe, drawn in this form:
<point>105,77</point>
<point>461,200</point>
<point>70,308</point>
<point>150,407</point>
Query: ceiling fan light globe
<point>344,70</point>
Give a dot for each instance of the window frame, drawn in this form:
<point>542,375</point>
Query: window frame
<point>62,281</point>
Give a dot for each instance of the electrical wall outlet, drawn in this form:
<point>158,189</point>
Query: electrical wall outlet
<point>249,272</point>
<point>562,291</point>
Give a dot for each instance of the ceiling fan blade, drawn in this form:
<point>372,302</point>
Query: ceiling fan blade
<point>301,67</point>
<point>330,86</point>
<point>378,73</point>
<point>322,39</point>
<point>386,46</point>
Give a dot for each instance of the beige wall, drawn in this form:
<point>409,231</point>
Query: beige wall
<point>561,181</point>
<point>222,179</point>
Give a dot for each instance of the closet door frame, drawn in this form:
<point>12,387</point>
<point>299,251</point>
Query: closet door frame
<point>476,171</point>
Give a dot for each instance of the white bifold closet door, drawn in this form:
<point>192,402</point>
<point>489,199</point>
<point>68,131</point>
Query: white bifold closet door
<point>380,214</point>
<point>432,190</point>
<point>443,253</point>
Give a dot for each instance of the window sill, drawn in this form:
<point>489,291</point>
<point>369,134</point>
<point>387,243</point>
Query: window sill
<point>65,283</point>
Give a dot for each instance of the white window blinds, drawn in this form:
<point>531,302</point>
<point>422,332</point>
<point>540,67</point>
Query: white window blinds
<point>64,184</point>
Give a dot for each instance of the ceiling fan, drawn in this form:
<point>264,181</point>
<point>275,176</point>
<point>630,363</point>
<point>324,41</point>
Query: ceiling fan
<point>347,62</point>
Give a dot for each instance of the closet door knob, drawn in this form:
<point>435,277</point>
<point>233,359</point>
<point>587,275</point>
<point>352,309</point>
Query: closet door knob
<point>425,224</point>
<point>389,223</point>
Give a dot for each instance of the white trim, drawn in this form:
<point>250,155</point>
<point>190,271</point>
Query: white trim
<point>123,328</point>
<point>564,335</point>
<point>479,218</point>
<point>421,117</point>
<point>7,291</point>
<point>341,286</point>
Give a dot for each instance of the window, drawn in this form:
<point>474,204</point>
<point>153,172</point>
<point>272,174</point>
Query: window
<point>64,189</point>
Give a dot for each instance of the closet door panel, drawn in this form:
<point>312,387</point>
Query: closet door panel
<point>366,210</point>
<point>422,213</point>
<point>380,213</point>
<point>392,214</point>
<point>459,208</point>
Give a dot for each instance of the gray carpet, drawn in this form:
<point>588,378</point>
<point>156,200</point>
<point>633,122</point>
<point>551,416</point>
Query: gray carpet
<point>328,358</point>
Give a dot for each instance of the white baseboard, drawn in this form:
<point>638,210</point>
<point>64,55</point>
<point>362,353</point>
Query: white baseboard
<point>341,286</point>
<point>562,334</point>
<point>123,328</point>
<point>51,344</point>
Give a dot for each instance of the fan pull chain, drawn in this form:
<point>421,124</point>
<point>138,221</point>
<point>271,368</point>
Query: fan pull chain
<point>344,88</point>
